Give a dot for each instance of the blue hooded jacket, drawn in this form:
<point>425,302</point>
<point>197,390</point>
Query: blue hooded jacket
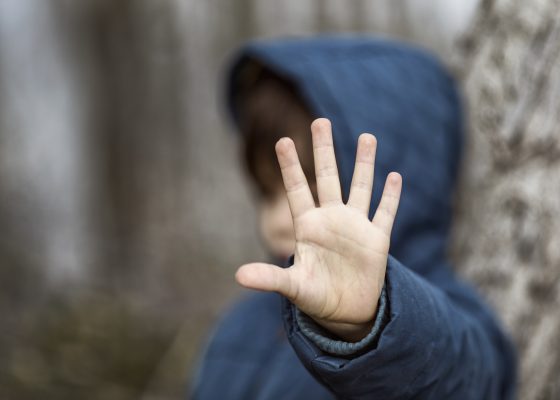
<point>439,340</point>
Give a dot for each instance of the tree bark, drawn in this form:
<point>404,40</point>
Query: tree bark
<point>507,232</point>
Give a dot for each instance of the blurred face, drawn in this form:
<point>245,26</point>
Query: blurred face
<point>275,218</point>
<point>270,108</point>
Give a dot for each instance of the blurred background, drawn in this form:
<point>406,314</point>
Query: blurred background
<point>124,213</point>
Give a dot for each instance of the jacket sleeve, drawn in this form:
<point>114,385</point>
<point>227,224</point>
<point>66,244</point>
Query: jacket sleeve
<point>439,342</point>
<point>326,342</point>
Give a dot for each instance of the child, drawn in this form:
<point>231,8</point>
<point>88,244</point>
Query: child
<point>358,322</point>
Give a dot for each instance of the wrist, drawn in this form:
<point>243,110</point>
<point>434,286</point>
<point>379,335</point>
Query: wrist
<point>349,332</point>
<point>332,343</point>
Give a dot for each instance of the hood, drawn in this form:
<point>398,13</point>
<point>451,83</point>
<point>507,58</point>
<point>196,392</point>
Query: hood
<point>399,93</point>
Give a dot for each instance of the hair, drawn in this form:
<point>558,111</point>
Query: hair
<point>269,108</point>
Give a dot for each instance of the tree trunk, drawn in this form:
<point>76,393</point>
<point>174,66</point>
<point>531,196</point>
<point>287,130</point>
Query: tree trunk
<point>507,235</point>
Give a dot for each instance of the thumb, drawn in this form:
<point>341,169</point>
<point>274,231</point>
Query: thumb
<point>265,277</point>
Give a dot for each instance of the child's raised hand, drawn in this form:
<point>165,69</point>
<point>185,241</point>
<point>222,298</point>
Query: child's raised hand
<point>340,255</point>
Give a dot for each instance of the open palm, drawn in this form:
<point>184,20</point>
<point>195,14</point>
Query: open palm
<point>340,255</point>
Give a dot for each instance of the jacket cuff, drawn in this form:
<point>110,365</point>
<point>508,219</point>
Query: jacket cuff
<point>325,341</point>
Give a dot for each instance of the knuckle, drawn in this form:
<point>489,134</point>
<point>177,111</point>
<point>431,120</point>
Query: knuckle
<point>362,184</point>
<point>326,170</point>
<point>295,186</point>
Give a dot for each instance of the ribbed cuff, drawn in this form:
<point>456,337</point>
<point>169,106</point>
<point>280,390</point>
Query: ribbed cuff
<point>320,337</point>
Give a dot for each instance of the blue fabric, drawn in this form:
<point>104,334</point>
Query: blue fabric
<point>323,340</point>
<point>441,340</point>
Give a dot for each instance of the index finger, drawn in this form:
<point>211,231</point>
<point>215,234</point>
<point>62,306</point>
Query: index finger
<point>297,190</point>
